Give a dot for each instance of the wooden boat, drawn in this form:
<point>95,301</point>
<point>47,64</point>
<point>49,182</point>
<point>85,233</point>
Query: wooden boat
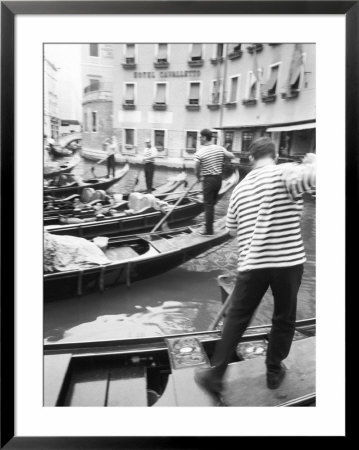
<point>59,151</point>
<point>134,258</point>
<point>158,371</point>
<point>65,205</point>
<point>123,220</point>
<point>52,169</point>
<point>76,188</point>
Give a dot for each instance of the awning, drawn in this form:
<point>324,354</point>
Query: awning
<point>301,126</point>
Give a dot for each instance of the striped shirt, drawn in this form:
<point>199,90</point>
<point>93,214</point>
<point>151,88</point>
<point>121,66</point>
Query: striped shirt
<point>265,212</point>
<point>211,159</point>
<point>149,154</point>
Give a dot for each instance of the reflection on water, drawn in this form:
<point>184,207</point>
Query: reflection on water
<point>182,300</point>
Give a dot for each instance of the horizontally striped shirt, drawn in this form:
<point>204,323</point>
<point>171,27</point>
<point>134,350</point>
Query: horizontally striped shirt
<point>265,211</point>
<point>149,154</point>
<point>211,159</point>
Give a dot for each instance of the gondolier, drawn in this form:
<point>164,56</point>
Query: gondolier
<point>111,149</point>
<point>265,213</point>
<point>149,156</point>
<point>209,166</point>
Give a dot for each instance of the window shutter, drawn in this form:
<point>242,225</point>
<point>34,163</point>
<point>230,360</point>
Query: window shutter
<point>270,85</point>
<point>234,88</point>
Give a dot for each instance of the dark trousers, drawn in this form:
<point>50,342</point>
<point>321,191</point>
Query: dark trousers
<point>149,170</point>
<point>211,186</point>
<point>111,165</point>
<point>248,292</point>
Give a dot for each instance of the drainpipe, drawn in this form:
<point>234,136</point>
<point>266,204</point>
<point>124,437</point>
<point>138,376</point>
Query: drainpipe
<point>225,51</point>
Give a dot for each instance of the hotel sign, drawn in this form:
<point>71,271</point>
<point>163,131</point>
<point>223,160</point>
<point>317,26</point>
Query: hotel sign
<point>168,74</point>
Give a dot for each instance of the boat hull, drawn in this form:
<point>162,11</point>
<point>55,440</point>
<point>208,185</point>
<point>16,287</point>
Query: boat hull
<point>65,284</point>
<point>135,223</point>
<point>158,371</point>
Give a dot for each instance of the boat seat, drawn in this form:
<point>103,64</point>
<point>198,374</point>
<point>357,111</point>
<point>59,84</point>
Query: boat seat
<point>163,245</point>
<point>127,387</point>
<point>120,253</point>
<point>186,354</point>
<point>246,380</point>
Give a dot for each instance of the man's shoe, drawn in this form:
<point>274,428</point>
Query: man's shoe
<point>275,377</point>
<point>204,377</point>
<point>204,232</point>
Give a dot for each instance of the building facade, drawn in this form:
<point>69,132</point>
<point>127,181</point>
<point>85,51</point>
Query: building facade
<point>169,92</point>
<point>51,100</point>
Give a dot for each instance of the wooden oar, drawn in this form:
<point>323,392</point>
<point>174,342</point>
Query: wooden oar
<point>173,207</point>
<point>222,310</point>
<point>137,178</point>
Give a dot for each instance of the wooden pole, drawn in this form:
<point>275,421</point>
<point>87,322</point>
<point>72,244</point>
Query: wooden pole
<point>173,207</point>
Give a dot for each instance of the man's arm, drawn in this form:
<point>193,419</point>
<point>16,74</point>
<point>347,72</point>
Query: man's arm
<point>228,154</point>
<point>300,178</point>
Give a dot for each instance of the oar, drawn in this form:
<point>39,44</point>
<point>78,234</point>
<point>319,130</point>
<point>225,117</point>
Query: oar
<point>137,178</point>
<point>221,312</point>
<point>97,163</point>
<point>173,207</point>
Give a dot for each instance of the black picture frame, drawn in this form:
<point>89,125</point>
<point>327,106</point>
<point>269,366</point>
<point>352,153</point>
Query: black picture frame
<point>9,10</point>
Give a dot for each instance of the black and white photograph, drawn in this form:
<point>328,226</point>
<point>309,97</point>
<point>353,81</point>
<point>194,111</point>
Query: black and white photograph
<point>179,224</point>
<point>179,220</point>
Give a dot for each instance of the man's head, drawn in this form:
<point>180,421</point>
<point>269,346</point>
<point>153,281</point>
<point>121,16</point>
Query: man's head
<point>262,148</point>
<point>205,135</point>
<point>148,142</point>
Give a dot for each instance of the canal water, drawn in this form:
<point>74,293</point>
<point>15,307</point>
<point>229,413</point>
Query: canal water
<point>185,299</point>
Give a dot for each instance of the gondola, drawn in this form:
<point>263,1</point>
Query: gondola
<point>54,168</point>
<point>59,151</point>
<point>65,205</point>
<point>128,259</point>
<point>158,371</point>
<point>123,220</point>
<point>75,187</point>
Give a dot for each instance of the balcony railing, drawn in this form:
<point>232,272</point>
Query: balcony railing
<point>100,86</point>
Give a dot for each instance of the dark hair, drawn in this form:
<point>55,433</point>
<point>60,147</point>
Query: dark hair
<point>262,147</point>
<point>206,133</point>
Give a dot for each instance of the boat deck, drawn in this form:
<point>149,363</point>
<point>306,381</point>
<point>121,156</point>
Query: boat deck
<point>90,382</point>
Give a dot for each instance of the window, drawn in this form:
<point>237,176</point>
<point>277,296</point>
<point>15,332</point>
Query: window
<point>194,93</point>
<point>214,137</point>
<point>228,140</point>
<point>85,122</point>
<point>162,54</point>
<point>252,86</point>
<point>160,98</point>
<point>271,85</point>
<point>159,139</point>
<point>129,94</point>
<point>247,138</point>
<point>94,124</point>
<point>196,54</point>
<point>233,93</point>
<point>191,141</point>
<point>236,47</point>
<point>93,49</point>
<point>215,91</point>
<point>219,51</point>
<point>130,54</point>
<point>129,137</point>
<point>94,84</point>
